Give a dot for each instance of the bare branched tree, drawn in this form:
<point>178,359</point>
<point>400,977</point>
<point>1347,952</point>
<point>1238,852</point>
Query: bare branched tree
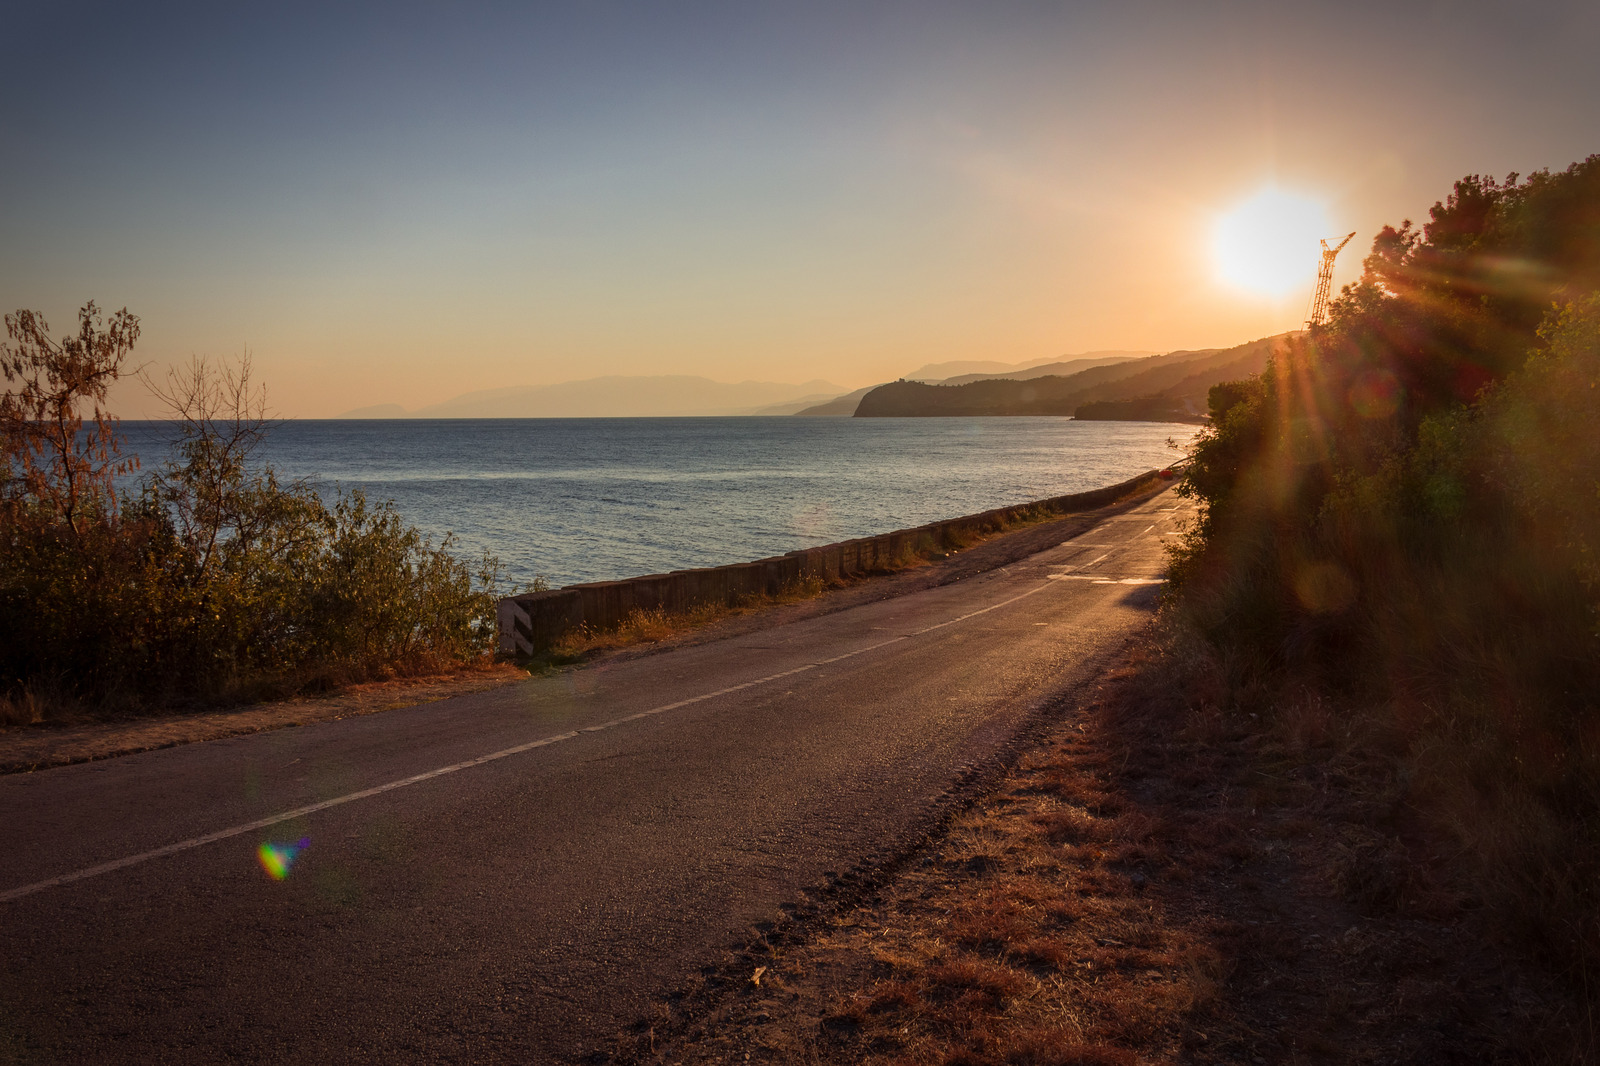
<point>48,460</point>
<point>213,490</point>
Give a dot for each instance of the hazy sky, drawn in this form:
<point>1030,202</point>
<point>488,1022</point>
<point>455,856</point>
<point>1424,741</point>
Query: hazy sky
<point>400,202</point>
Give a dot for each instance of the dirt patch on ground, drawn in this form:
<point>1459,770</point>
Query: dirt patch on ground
<point>1152,884</point>
<point>36,747</point>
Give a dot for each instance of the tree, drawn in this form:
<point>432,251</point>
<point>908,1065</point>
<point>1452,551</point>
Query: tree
<point>51,468</point>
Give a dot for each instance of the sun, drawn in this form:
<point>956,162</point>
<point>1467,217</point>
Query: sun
<point>1267,244</point>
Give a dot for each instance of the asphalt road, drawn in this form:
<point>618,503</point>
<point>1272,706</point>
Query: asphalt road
<point>595,836</point>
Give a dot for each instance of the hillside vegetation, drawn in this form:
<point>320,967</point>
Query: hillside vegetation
<point>1177,381</point>
<point>1400,533</point>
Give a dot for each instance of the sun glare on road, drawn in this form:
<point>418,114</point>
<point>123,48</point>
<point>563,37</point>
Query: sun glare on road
<point>1267,244</point>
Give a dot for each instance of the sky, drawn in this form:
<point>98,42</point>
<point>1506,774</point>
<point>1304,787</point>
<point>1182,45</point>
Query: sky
<point>399,203</point>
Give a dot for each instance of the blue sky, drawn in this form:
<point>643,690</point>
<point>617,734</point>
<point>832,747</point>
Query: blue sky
<point>402,202</point>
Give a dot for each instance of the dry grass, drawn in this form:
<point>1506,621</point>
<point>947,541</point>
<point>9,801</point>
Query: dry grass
<point>23,708</point>
<point>1171,877</point>
<point>658,624</point>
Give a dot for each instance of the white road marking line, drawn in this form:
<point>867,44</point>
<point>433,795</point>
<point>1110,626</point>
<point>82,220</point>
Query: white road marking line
<point>262,823</point>
<point>1095,579</point>
<point>313,808</point>
<point>974,614</point>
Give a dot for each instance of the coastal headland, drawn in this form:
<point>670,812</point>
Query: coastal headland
<point>1170,387</point>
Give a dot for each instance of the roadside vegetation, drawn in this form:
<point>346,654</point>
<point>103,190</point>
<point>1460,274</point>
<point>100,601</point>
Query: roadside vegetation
<point>1401,521</point>
<point>201,578</point>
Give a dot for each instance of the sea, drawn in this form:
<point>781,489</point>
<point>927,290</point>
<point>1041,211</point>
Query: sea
<point>593,499</point>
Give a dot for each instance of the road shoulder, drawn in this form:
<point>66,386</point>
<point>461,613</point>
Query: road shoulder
<point>38,747</point>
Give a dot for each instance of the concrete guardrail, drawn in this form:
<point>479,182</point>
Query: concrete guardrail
<point>534,621</point>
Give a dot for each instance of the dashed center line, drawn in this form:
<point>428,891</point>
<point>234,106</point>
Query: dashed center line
<point>1096,579</point>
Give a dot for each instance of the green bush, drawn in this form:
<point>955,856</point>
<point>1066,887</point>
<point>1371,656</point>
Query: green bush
<point>1546,439</point>
<point>214,579</point>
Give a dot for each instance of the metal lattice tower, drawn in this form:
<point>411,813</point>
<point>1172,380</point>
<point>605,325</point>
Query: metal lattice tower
<point>1319,302</point>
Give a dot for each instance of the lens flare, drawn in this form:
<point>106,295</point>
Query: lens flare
<point>277,859</point>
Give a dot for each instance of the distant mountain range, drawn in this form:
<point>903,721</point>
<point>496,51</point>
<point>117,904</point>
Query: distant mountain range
<point>838,407</point>
<point>1069,364</point>
<point>667,395</point>
<point>1170,387</point>
<point>1100,384</point>
<point>962,371</point>
<point>974,369</point>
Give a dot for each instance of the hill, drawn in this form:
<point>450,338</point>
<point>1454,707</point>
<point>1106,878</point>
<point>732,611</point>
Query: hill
<point>959,372</point>
<point>838,407</point>
<point>963,370</point>
<point>1056,368</point>
<point>1174,382</point>
<point>987,367</point>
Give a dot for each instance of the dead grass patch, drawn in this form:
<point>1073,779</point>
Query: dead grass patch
<point>1136,891</point>
<point>657,624</point>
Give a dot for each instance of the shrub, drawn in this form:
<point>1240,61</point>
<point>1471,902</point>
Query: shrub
<point>213,579</point>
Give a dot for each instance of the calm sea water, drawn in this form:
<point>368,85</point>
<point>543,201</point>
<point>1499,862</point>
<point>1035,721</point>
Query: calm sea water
<point>598,498</point>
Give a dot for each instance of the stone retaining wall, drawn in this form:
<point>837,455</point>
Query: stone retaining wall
<point>534,621</point>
